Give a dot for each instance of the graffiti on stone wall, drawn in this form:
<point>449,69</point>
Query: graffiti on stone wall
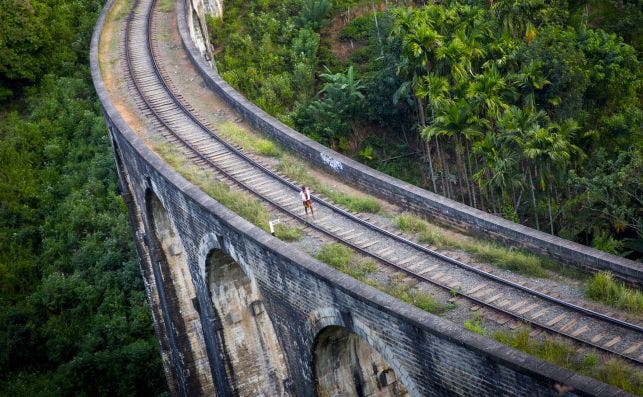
<point>332,162</point>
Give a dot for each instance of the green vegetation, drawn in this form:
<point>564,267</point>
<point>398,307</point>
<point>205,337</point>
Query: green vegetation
<point>73,316</point>
<point>247,141</point>
<point>244,205</point>
<point>613,372</point>
<point>605,289</point>
<point>286,233</point>
<point>341,258</point>
<point>502,257</point>
<point>529,110</point>
<point>408,292</point>
<point>475,324</point>
<point>335,255</point>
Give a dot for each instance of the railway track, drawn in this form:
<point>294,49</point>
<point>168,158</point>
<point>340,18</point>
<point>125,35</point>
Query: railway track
<point>172,115</point>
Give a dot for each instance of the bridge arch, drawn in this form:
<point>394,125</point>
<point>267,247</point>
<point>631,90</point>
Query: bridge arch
<point>254,358</point>
<point>168,254</point>
<point>345,364</point>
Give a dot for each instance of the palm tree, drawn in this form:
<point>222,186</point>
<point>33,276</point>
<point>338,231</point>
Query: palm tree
<point>453,120</point>
<point>488,91</point>
<point>419,40</point>
<point>529,79</point>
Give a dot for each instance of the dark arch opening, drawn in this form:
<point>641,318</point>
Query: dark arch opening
<point>169,253</point>
<point>346,365</point>
<point>254,359</point>
<point>126,189</point>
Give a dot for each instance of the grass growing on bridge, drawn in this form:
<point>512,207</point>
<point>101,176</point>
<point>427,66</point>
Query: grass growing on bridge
<point>614,372</point>
<point>335,255</point>
<point>247,141</point>
<point>286,233</point>
<point>293,168</point>
<point>504,258</point>
<point>475,324</point>
<point>241,203</point>
<point>244,205</point>
<point>343,259</point>
<point>603,288</point>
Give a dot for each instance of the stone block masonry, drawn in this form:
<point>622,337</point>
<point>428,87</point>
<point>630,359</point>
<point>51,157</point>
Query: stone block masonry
<point>289,317</point>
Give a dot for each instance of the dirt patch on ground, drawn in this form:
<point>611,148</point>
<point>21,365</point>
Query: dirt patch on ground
<point>343,49</point>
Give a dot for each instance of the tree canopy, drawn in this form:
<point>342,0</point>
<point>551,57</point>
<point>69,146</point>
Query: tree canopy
<point>73,316</point>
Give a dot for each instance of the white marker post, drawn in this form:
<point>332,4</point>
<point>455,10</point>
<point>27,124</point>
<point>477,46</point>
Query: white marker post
<point>272,225</point>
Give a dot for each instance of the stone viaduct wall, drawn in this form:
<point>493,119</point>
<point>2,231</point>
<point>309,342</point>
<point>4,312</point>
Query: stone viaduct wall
<point>433,206</point>
<point>194,16</point>
<point>238,312</point>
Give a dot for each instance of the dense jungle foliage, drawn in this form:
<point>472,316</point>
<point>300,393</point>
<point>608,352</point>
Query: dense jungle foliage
<point>529,109</point>
<point>73,316</point>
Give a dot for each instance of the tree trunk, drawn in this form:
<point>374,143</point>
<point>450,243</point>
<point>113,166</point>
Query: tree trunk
<point>551,218</point>
<point>493,200</point>
<point>420,109</point>
<point>480,188</point>
<point>445,192</point>
<point>533,197</point>
<point>462,179</point>
<point>472,187</point>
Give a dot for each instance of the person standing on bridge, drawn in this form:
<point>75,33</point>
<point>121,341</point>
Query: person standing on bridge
<point>304,193</point>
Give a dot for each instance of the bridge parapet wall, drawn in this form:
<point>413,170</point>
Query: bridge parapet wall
<point>410,197</point>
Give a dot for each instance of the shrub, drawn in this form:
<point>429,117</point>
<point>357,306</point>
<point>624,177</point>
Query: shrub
<point>362,270</point>
<point>475,324</point>
<point>603,288</point>
<point>335,255</point>
<point>286,233</point>
<point>358,28</point>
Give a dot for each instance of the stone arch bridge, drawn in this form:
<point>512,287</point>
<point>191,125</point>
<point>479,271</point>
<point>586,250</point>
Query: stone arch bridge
<point>238,312</point>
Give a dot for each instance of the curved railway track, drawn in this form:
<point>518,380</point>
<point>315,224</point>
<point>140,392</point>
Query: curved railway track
<point>176,120</point>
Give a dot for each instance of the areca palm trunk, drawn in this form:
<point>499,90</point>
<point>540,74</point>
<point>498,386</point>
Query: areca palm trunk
<point>445,191</point>
<point>481,190</point>
<point>533,197</point>
<point>551,218</point>
<point>493,199</point>
<point>463,178</point>
<point>470,185</point>
<point>420,110</point>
